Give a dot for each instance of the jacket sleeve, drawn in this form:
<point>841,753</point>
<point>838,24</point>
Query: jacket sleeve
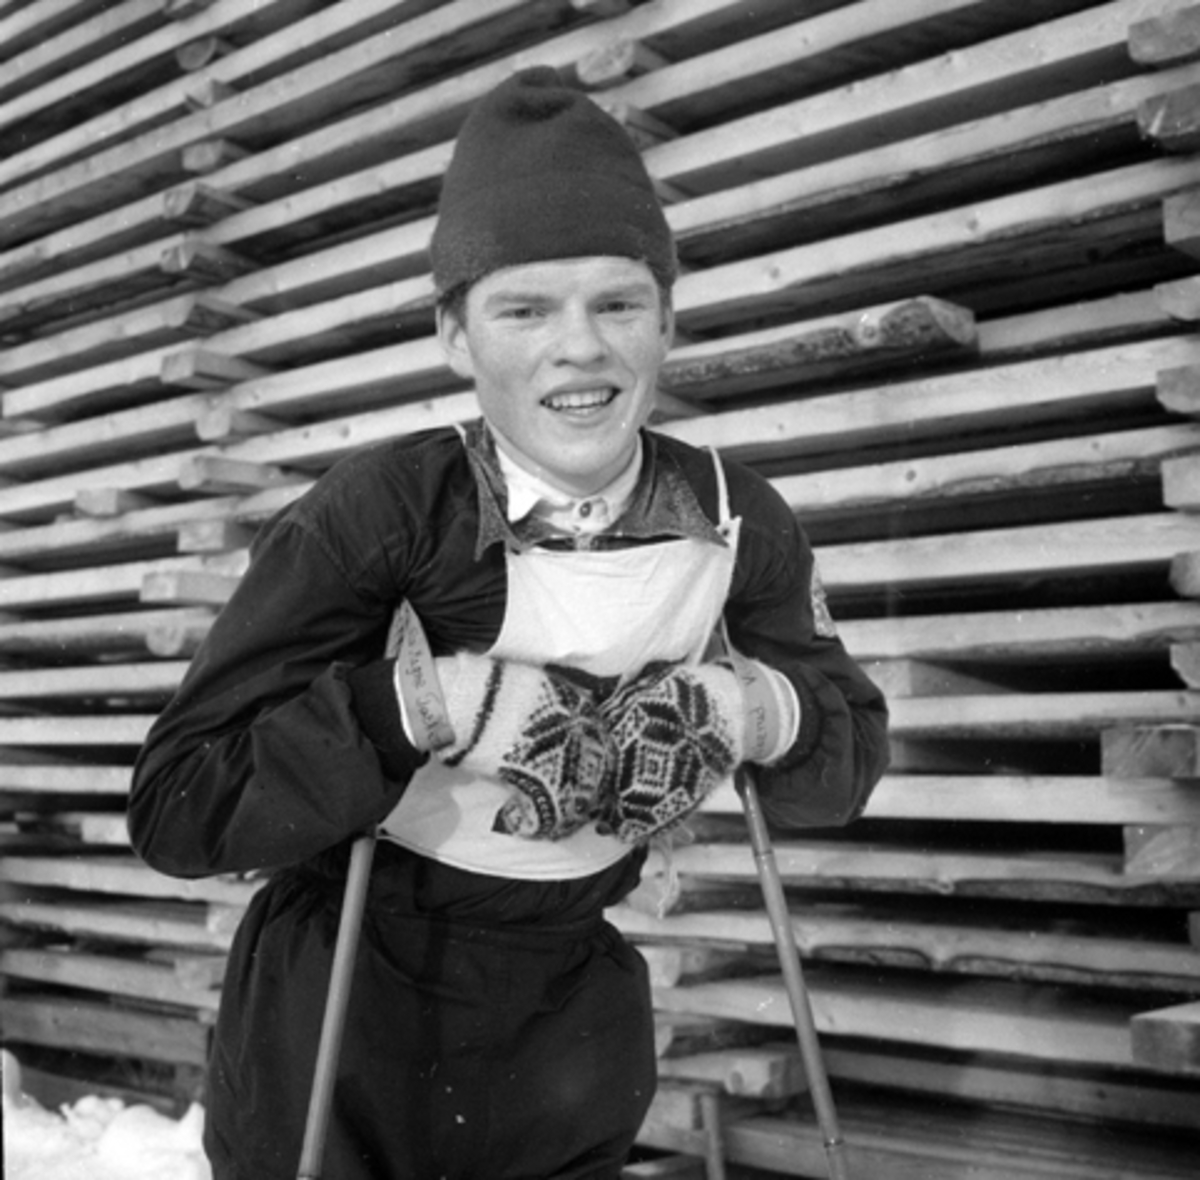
<point>276,745</point>
<point>776,613</point>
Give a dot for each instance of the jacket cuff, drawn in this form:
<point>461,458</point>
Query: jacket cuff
<point>373,695</point>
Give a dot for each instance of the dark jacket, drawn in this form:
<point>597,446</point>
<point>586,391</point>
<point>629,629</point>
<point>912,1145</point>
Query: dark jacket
<point>284,738</point>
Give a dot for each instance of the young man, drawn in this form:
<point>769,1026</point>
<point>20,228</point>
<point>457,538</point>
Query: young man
<point>572,574</point>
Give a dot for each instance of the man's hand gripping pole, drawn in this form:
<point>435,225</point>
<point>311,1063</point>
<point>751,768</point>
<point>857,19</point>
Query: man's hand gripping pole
<point>406,640</point>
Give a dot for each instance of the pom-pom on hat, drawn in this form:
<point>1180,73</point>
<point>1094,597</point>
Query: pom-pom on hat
<point>540,172</point>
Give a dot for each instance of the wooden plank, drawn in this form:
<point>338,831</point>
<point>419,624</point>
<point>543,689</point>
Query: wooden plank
<point>1116,631</point>
<point>955,253</point>
<point>1172,120</point>
<point>104,1029</point>
<point>71,778</point>
<point>1077,548</point>
<point>137,979</point>
<point>939,1141</point>
<point>114,633</point>
<point>1185,663</point>
<point>809,351</point>
<point>290,336</point>
<point>180,318</point>
<point>1061,466</point>
<point>353,76</point>
<point>970,1015</point>
<point>1041,799</point>
<point>1099,878</point>
<point>1163,751</point>
<point>27,22</point>
<point>1161,851</point>
<point>971,947</point>
<point>123,875</point>
<point>1166,39</point>
<point>1039,716</point>
<point>141,532</point>
<point>753,1072</point>
<point>1070,53</point>
<point>356,142</point>
<point>118,729</point>
<point>53,56</point>
<point>1168,1040</point>
<point>1138,1098</point>
<point>154,680</point>
<point>270,37</point>
<point>145,924</point>
<point>1097,382</point>
<point>97,584</point>
<point>817,53</point>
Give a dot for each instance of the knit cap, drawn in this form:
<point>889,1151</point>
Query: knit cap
<point>540,172</point>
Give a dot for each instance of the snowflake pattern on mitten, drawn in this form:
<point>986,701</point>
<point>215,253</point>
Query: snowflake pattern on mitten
<point>674,737</point>
<point>560,767</point>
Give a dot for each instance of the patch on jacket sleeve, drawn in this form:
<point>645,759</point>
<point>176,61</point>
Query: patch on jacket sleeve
<point>822,619</point>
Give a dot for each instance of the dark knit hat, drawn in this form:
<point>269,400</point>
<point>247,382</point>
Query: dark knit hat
<point>540,172</point>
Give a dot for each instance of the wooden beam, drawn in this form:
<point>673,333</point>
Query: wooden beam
<point>156,680</point>
<point>1160,851</point>
<point>222,474</point>
<point>200,204</point>
<point>1166,39</point>
<point>101,1028</point>
<point>154,924</point>
<point>1035,1023</point>
<point>208,369</point>
<point>970,947</point>
<point>1172,120</point>
<point>136,979</point>
<point>183,587</point>
<point>128,876</point>
<point>1099,878</point>
<point>1077,547</point>
<point>1062,465</point>
<point>1185,663</point>
<point>810,350</point>
<point>1168,1040</point>
<point>1079,633</point>
<point>112,633</point>
<point>1034,799</point>
<point>1072,53</point>
<point>1002,1082</point>
<point>1151,751</point>
<point>1092,382</point>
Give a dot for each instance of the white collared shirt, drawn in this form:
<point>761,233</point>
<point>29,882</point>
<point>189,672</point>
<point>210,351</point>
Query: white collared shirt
<point>528,493</point>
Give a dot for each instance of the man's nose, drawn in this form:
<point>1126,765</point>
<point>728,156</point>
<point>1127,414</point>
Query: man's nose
<point>580,341</point>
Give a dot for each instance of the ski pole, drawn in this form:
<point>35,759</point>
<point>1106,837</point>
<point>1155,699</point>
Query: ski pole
<point>793,976</point>
<point>341,975</point>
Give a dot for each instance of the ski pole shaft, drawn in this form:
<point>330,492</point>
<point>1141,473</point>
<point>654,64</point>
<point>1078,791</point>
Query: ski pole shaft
<point>329,1049</point>
<point>793,977</point>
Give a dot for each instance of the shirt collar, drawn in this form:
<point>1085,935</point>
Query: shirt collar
<point>661,502</point>
<point>528,493</point>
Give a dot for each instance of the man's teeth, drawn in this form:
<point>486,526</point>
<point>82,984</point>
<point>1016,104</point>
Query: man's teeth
<point>580,399</point>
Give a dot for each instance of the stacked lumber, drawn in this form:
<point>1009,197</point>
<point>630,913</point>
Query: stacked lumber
<point>940,286</point>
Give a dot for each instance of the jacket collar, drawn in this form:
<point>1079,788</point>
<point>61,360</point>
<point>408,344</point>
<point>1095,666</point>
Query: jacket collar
<point>663,504</point>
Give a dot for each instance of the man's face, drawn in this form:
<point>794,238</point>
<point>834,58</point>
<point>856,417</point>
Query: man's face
<point>564,356</point>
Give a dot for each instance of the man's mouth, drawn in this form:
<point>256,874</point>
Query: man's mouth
<point>580,399</point>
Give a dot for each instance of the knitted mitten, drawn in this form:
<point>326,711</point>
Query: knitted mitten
<point>678,732</point>
<point>534,731</point>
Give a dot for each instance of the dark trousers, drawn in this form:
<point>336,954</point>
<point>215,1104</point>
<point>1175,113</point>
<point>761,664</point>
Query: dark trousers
<point>498,1030</point>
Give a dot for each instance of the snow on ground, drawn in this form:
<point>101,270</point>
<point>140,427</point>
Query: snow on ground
<point>97,1139</point>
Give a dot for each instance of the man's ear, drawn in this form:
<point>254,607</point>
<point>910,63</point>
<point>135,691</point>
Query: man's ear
<point>452,335</point>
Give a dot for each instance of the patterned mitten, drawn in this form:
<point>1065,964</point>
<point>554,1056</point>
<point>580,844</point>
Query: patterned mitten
<point>678,732</point>
<point>537,732</point>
